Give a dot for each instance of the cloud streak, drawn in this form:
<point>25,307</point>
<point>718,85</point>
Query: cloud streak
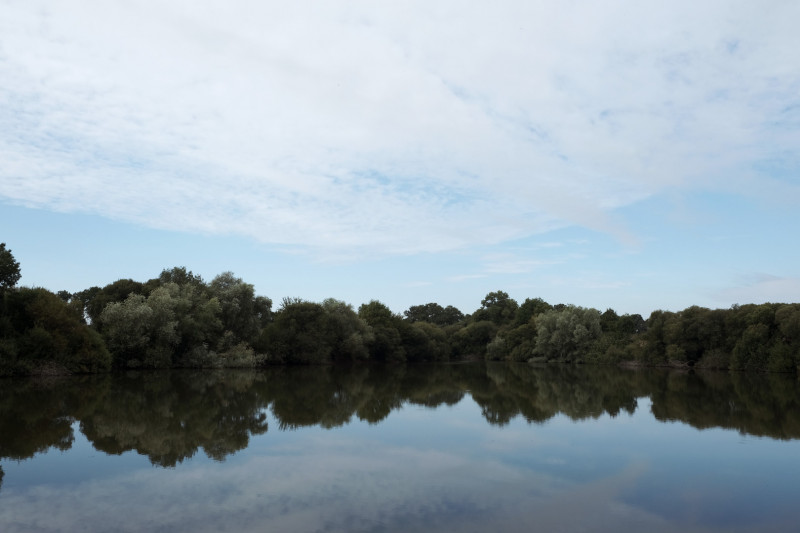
<point>359,128</point>
<point>332,485</point>
<point>759,288</point>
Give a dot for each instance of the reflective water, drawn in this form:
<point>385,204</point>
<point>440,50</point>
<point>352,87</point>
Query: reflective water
<point>420,448</point>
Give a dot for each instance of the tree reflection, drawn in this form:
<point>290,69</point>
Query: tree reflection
<point>36,416</point>
<point>169,416</point>
<point>539,393</point>
<point>765,405</point>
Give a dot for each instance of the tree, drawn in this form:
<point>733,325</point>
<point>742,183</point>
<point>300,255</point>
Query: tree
<point>566,335</point>
<point>300,333</point>
<point>434,313</point>
<point>38,329</point>
<point>243,314</point>
<point>95,299</point>
<point>631,324</point>
<point>497,307</point>
<point>521,342</point>
<point>529,309</point>
<point>752,349</point>
<point>376,313</point>
<point>178,275</point>
<point>350,334</point>
<point>386,344</point>
<point>424,341</point>
<point>9,269</point>
<point>452,315</point>
<point>471,340</point>
<point>127,329</point>
<point>609,321</point>
<point>652,346</point>
<point>161,330</point>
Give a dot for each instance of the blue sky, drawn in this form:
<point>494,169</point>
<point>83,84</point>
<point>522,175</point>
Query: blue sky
<point>608,154</point>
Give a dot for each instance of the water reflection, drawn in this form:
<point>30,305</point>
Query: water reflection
<point>169,416</point>
<point>420,448</point>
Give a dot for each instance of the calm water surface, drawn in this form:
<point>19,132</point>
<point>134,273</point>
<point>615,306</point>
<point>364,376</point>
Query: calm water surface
<point>463,448</point>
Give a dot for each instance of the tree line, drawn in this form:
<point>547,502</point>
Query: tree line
<point>179,320</point>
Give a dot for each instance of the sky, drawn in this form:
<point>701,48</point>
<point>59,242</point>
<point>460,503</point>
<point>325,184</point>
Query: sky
<point>617,154</point>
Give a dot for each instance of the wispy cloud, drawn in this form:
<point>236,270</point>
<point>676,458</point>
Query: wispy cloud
<point>377,128</point>
<point>510,263</point>
<point>465,277</point>
<point>589,282</point>
<point>760,287</point>
<point>415,284</point>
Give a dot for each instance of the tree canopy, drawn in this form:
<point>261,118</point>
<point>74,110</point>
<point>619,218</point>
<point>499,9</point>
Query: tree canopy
<point>9,268</point>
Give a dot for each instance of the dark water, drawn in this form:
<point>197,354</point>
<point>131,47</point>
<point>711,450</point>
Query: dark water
<point>419,448</point>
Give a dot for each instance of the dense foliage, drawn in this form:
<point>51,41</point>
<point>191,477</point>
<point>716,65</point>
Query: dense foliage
<point>179,320</point>
<point>39,331</point>
<point>9,268</point>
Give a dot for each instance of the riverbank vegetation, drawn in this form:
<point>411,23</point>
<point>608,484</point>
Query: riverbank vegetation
<point>179,320</point>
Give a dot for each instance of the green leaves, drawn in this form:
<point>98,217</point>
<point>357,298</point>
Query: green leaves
<point>497,307</point>
<point>567,334</point>
<point>9,269</point>
<point>41,331</point>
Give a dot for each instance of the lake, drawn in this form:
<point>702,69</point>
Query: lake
<point>460,447</point>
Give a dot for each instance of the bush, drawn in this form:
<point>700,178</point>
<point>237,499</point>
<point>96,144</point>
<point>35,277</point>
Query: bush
<point>41,330</point>
<point>716,358</point>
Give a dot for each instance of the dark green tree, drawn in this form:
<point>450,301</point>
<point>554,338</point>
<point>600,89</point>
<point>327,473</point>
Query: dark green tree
<point>529,309</point>
<point>95,299</point>
<point>243,314</point>
<point>752,350</point>
<point>471,341</point>
<point>497,307</point>
<point>299,334</point>
<point>434,314</point>
<point>387,344</point>
<point>609,321</point>
<point>351,336</point>
<point>9,269</point>
<point>631,324</point>
<point>41,332</point>
<point>424,341</point>
<point>177,275</point>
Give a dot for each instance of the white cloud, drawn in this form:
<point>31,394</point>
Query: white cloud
<point>389,128</point>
